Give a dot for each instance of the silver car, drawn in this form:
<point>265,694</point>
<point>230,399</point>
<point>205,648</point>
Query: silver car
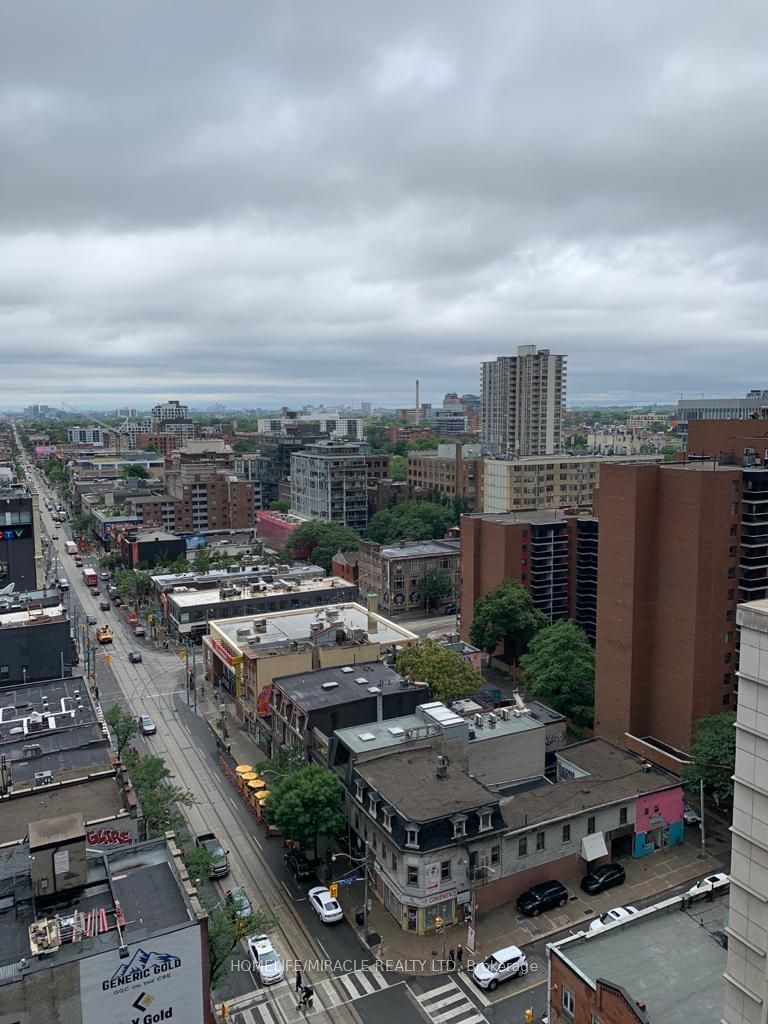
<point>237,899</point>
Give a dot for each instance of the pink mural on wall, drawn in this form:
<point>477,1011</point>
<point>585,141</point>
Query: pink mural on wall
<point>108,837</point>
<point>653,810</point>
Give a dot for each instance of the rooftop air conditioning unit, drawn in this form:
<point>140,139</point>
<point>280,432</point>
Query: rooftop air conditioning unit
<point>517,713</point>
<point>479,721</point>
<point>260,625</point>
<point>506,714</point>
<point>43,778</point>
<point>491,721</point>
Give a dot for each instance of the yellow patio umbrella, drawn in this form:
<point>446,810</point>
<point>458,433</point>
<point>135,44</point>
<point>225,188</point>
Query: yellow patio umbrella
<point>255,784</point>
<point>262,803</point>
<point>262,794</point>
<point>261,783</point>
<point>243,768</point>
<point>249,777</point>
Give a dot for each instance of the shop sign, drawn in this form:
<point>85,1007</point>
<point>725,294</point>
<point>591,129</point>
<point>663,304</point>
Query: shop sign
<point>222,651</point>
<point>433,876</point>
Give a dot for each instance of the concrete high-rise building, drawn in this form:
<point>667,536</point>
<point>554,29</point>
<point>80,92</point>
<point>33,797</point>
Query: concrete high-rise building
<point>329,481</point>
<point>21,559</point>
<point>746,981</point>
<point>522,403</point>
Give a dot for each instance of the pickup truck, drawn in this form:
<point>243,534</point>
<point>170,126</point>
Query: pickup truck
<point>220,861</point>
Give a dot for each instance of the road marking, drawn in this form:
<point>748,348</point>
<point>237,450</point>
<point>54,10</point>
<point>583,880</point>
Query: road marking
<point>325,951</point>
<point>520,991</point>
<point>477,992</point>
<point>232,801</point>
<point>255,839</point>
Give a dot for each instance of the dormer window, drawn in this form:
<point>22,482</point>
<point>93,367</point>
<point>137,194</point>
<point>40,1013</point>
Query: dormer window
<point>459,826</point>
<point>486,820</point>
<point>360,786</point>
<point>373,800</point>
<point>412,836</point>
<point>386,818</point>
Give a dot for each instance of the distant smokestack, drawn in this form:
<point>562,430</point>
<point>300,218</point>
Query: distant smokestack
<point>418,406</point>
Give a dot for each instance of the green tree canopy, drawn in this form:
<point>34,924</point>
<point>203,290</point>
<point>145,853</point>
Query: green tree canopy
<point>280,506</point>
<point>560,670</point>
<point>322,541</point>
<point>202,560</point>
<point>450,677</point>
<point>714,755</point>
<point>140,472</point>
<point>307,804</point>
<point>398,468</point>
<point>413,520</point>
<point>159,798</point>
<point>133,584</point>
<point>506,615</point>
<point>123,726</point>
<point>80,524</point>
<point>437,586</point>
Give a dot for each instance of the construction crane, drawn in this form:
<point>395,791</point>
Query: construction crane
<point>117,431</point>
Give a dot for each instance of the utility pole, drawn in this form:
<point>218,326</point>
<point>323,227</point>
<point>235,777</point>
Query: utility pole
<point>701,814</point>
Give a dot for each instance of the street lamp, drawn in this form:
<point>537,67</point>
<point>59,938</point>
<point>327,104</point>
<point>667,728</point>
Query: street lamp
<point>364,861</point>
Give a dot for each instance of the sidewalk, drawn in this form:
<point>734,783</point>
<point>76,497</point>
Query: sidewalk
<point>242,747</point>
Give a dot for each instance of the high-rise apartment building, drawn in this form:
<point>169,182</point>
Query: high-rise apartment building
<point>746,982</point>
<point>552,554</point>
<point>522,403</point>
<point>208,493</point>
<point>21,559</point>
<point>329,481</point>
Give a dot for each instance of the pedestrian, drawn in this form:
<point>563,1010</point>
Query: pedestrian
<point>451,958</point>
<point>298,980</point>
<point>96,692</point>
<point>229,748</point>
<point>459,955</point>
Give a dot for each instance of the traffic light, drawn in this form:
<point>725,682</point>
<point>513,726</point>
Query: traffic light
<point>529,1016</point>
<point>333,889</point>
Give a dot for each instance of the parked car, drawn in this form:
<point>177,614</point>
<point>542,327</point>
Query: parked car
<point>297,863</point>
<point>499,966</point>
<point>95,591</point>
<point>104,575</point>
<point>541,897</point>
<point>604,877</point>
<point>237,900</point>
<point>134,657</point>
<point>147,725</point>
<point>92,620</point>
<point>54,536</point>
<point>139,631</point>
<point>324,905</point>
<point>267,962</point>
<point>104,606</point>
<point>611,917</point>
<point>707,884</point>
<point>690,817</point>
<point>117,601</point>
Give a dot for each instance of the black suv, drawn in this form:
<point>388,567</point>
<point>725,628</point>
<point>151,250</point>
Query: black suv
<point>602,878</point>
<point>300,867</point>
<point>541,897</point>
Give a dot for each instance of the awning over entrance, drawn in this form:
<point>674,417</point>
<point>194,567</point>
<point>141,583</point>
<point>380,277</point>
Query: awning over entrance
<point>593,847</point>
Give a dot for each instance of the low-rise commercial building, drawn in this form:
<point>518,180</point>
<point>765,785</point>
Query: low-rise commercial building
<point>397,573</point>
<point>36,639</point>
<point>329,482</point>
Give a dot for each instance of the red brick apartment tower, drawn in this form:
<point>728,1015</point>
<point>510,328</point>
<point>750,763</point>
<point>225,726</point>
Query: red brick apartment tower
<point>666,598</point>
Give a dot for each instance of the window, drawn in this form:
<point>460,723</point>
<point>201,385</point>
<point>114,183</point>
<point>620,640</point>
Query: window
<point>394,862</point>
<point>459,828</point>
<point>730,615</point>
<point>485,821</point>
<point>411,837</point>
<point>540,841</point>
<point>445,870</point>
<point>359,787</point>
<point>495,854</point>
<point>726,699</point>
<point>726,679</point>
<point>375,841</point>
<point>728,638</point>
<point>622,815</point>
<point>566,833</point>
<point>732,573</point>
<point>569,1003</point>
<point>4,671</point>
<point>413,874</point>
<point>386,818</point>
<point>372,801</point>
<point>732,531</point>
<point>727,658</point>
<point>522,846</point>
<point>591,825</point>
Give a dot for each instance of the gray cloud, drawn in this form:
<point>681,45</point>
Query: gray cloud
<point>263,203</point>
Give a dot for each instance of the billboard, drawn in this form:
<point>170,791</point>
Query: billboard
<point>159,980</point>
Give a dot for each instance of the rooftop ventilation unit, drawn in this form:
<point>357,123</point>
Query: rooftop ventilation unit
<point>492,721</point>
<point>260,625</point>
<point>361,681</point>
<point>43,778</point>
<point>479,721</point>
<point>395,730</point>
<point>374,689</point>
<point>330,685</point>
<point>347,669</point>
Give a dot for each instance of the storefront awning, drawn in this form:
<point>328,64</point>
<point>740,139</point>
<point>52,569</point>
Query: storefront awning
<point>593,847</point>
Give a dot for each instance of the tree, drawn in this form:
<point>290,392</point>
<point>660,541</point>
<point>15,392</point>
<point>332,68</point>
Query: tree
<point>306,804</point>
<point>320,541</point>
<point>412,520</point>
<point>111,561</point>
<point>560,670</point>
<point>140,472</point>
<point>714,755</point>
<point>225,929</point>
<point>123,726</point>
<point>437,586</point>
<point>669,452</point>
<point>81,524</point>
<point>202,561</point>
<point>398,467</point>
<point>280,506</point>
<point>449,675</point>
<point>506,615</point>
<point>133,584</point>
<point>158,797</point>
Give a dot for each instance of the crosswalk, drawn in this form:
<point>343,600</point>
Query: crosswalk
<point>448,1004</point>
<point>277,1005</point>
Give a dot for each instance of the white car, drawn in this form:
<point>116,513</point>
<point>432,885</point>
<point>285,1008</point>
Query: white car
<point>611,916</point>
<point>324,905</point>
<point>707,884</point>
<point>267,963</point>
<point>504,963</point>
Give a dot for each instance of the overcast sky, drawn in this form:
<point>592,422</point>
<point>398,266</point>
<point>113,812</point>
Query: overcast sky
<point>266,203</point>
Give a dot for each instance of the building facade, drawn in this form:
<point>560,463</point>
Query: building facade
<point>690,409</point>
<point>329,482</point>
<point>397,573</point>
<point>201,479</point>
<point>21,556</point>
<point>453,471</point>
<point>522,399</point>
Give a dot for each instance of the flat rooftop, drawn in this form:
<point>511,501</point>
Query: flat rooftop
<point>95,799</point>
<point>612,775</point>
<point>297,624</point>
<point>212,577</point>
<point>669,959</point>
<point>421,549</point>
<point>27,617</point>
<point>313,690</point>
<point>407,779</point>
<point>141,879</point>
<point>540,517</point>
<point>280,588</point>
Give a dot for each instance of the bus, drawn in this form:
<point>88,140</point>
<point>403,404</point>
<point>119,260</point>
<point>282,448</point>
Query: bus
<point>70,547</point>
<point>91,577</point>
